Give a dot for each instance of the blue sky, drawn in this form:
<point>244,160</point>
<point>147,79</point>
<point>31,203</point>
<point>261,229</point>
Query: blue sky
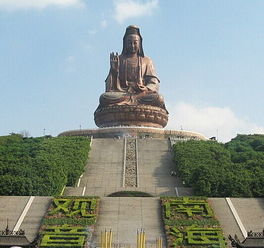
<point>209,56</point>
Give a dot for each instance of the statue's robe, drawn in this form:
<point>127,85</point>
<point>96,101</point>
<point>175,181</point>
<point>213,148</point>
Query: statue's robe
<point>123,87</point>
<point>142,73</point>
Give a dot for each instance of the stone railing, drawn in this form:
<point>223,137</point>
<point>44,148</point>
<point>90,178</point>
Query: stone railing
<point>12,233</point>
<point>256,234</point>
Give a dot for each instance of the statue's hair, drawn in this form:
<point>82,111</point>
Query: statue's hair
<point>132,29</point>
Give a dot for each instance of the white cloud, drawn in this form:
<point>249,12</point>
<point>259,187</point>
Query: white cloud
<point>92,32</point>
<point>70,64</point>
<point>37,4</point>
<point>126,9</point>
<point>104,23</point>
<point>210,121</point>
<point>70,59</point>
<point>87,48</point>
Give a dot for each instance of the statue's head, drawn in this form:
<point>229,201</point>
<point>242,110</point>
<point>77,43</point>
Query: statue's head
<point>132,41</point>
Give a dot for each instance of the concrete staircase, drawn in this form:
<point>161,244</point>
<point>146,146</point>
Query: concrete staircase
<point>12,208</point>
<point>225,216</point>
<point>34,216</point>
<point>104,171</point>
<point>125,215</point>
<point>104,175</point>
<point>155,164</point>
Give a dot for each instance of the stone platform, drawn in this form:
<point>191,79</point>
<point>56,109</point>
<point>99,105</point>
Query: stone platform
<point>129,115</point>
<point>135,131</point>
<point>115,213</point>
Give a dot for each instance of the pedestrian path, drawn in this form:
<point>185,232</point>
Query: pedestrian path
<point>125,215</point>
<point>225,217</point>
<point>105,169</point>
<point>23,212</point>
<point>155,165</point>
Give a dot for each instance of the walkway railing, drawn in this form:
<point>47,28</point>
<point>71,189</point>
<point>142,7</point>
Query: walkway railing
<point>107,241</point>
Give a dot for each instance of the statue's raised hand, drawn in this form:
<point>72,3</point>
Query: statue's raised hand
<point>114,62</point>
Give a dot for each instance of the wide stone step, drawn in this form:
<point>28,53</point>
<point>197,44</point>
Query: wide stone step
<point>125,215</point>
<point>33,219</point>
<point>14,208</point>
<point>152,190</point>
<point>225,216</point>
<point>74,191</point>
<point>104,171</point>
<point>251,212</point>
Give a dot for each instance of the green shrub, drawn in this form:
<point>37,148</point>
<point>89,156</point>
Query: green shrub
<point>40,166</point>
<point>234,169</point>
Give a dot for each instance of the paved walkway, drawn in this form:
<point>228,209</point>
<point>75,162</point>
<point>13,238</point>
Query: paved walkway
<point>11,208</point>
<point>104,171</point>
<point>36,212</point>
<point>125,215</point>
<point>104,175</point>
<point>249,210</point>
<point>225,217</point>
<point>155,163</point>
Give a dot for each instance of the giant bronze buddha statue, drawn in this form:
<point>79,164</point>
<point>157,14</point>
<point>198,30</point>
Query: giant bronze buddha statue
<point>132,94</point>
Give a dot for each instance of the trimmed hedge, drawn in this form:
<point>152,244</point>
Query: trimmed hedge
<point>69,222</point>
<point>78,210</point>
<point>186,207</point>
<point>64,236</point>
<point>190,222</point>
<point>40,166</point>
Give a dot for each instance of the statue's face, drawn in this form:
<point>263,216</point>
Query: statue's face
<point>132,44</point>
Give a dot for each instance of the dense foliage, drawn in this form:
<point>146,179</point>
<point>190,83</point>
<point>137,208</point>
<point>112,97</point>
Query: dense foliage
<point>232,169</point>
<point>40,166</point>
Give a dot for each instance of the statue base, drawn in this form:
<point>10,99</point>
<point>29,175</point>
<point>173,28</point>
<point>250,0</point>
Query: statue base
<point>131,115</point>
<point>139,132</point>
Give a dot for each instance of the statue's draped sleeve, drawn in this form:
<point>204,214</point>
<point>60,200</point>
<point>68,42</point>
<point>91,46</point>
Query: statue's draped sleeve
<point>151,80</point>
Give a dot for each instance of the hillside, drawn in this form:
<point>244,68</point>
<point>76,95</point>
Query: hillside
<point>213,169</point>
<point>40,166</point>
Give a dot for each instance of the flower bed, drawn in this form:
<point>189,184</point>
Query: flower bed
<point>190,222</point>
<point>69,222</point>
